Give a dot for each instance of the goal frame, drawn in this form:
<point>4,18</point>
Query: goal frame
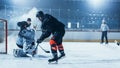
<point>6,34</point>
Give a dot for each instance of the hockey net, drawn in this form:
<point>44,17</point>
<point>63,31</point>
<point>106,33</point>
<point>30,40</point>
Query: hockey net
<point>3,36</point>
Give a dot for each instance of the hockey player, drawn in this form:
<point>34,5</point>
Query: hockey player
<point>51,25</point>
<point>104,29</point>
<point>23,25</point>
<point>25,40</point>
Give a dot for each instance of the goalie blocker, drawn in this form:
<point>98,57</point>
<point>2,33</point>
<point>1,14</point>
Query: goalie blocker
<point>21,53</point>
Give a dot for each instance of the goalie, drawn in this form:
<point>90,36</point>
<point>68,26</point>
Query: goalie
<point>25,40</point>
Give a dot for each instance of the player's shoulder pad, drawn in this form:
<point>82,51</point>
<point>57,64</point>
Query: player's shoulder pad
<point>48,16</point>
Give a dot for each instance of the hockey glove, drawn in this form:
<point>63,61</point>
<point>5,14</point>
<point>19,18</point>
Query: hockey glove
<point>39,41</point>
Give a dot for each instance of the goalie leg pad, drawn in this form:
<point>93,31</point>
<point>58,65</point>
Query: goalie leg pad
<point>19,53</point>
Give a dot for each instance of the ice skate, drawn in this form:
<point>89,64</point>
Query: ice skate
<point>61,56</point>
<point>15,52</point>
<point>53,60</point>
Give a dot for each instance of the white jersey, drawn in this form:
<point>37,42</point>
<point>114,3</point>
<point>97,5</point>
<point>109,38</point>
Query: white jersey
<point>104,27</point>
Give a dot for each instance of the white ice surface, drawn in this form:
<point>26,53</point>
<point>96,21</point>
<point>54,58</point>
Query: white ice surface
<point>78,55</point>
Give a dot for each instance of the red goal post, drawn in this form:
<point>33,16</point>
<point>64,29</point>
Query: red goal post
<point>3,36</point>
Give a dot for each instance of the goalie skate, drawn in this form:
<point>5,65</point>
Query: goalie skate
<point>19,53</point>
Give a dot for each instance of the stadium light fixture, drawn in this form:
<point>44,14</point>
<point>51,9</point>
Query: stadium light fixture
<point>20,2</point>
<point>96,3</point>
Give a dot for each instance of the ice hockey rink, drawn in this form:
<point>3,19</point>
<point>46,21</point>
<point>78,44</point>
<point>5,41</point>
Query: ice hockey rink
<point>82,19</point>
<point>78,55</point>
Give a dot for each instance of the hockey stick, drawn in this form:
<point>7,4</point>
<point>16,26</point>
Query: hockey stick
<point>42,48</point>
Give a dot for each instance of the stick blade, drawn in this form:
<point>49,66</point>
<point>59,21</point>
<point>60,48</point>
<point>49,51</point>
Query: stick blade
<point>47,51</point>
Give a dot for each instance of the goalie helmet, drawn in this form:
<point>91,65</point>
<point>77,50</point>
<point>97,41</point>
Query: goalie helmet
<point>29,19</point>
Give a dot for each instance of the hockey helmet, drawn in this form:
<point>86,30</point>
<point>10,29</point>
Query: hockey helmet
<point>29,19</point>
<point>40,14</point>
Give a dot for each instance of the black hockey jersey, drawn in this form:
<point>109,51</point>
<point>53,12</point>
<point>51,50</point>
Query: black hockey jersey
<point>50,25</point>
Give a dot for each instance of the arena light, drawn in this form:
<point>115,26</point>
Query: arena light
<point>96,3</point>
<point>20,2</point>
